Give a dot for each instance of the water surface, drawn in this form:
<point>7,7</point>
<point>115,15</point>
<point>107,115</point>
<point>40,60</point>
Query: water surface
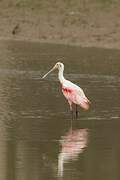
<point>36,138</point>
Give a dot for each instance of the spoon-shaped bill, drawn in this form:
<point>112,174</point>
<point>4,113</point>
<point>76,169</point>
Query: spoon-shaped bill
<point>49,72</point>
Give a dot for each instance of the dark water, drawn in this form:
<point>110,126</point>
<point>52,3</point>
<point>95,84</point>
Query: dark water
<point>36,141</point>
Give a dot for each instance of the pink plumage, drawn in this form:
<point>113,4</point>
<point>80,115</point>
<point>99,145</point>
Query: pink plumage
<point>73,93</point>
<point>76,96</point>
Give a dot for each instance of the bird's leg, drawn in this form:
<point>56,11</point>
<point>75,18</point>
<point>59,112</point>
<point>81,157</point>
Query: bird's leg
<point>76,112</point>
<point>71,109</point>
<point>72,114</point>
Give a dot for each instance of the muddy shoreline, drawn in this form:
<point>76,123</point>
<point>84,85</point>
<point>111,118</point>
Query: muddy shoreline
<point>89,24</point>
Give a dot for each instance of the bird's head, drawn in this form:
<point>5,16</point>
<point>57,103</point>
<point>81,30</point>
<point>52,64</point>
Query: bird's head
<point>58,65</point>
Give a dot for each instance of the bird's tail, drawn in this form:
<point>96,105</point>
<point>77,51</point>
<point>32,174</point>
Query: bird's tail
<point>85,103</point>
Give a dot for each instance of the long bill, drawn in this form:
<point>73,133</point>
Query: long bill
<point>49,72</point>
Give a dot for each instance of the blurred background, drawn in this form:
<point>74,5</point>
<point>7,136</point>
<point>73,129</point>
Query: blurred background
<point>83,22</point>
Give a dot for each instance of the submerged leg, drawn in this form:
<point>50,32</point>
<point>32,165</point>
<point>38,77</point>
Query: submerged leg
<point>76,112</point>
<point>72,114</point>
<point>71,109</point>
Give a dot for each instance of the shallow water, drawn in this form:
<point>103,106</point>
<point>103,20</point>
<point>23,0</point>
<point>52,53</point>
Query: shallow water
<point>36,138</point>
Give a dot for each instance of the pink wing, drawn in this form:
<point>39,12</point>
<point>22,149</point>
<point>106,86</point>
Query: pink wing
<point>76,96</point>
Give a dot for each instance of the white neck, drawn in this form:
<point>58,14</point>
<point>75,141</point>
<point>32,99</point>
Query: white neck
<point>60,75</point>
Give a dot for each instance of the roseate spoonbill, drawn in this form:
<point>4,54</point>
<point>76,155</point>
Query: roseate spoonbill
<point>73,93</point>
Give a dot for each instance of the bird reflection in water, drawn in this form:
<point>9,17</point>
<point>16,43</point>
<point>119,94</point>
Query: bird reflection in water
<point>72,144</point>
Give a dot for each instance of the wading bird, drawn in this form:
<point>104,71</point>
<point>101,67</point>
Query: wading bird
<point>73,93</point>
